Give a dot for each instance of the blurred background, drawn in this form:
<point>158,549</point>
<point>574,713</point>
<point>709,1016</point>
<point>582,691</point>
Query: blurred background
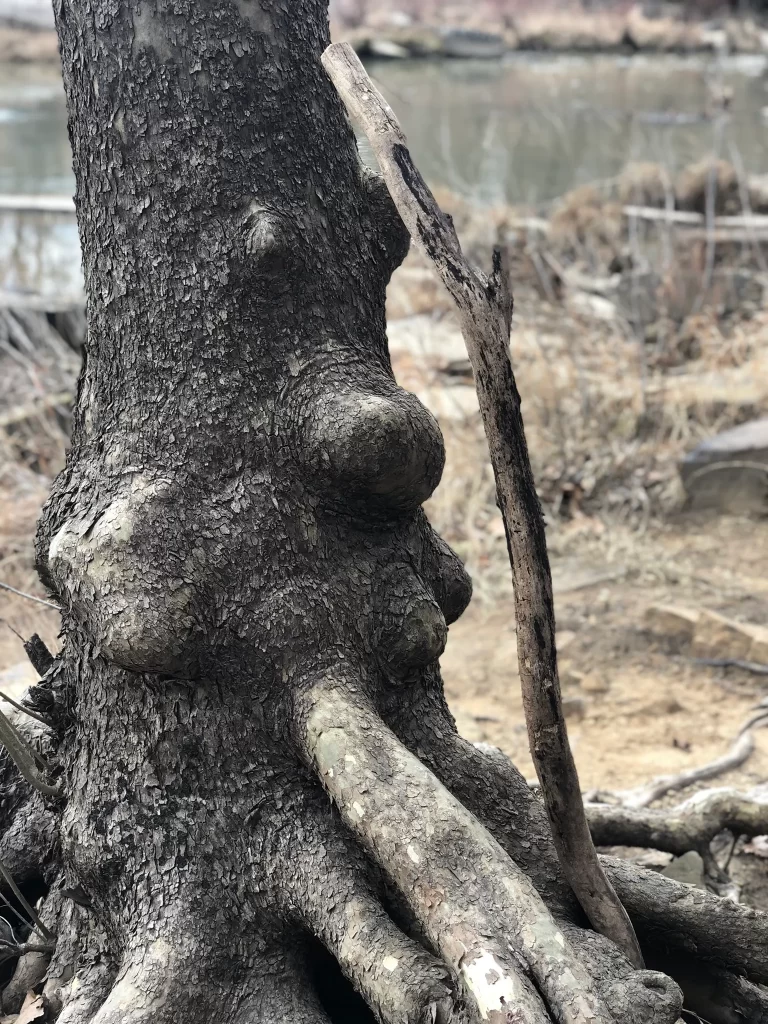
<point>620,153</point>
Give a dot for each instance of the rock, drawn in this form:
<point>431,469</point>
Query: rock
<point>473,44</point>
<point>385,48</point>
<point>718,637</point>
<point>671,622</point>
<point>662,707</point>
<point>594,683</point>
<point>574,707</point>
<point>688,869</point>
<point>593,306</point>
<point>729,472</point>
<point>418,40</point>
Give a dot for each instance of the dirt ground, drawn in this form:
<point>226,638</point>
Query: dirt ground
<point>639,711</point>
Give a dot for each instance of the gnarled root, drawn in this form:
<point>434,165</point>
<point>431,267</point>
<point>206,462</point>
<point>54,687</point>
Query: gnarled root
<point>671,919</point>
<point>472,903</point>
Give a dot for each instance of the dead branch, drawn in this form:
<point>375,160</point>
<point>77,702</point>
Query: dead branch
<point>25,711</point>
<point>485,313</point>
<point>34,917</point>
<point>659,787</point>
<point>24,757</point>
<point>29,597</point>
<point>755,667</point>
<point>690,825</point>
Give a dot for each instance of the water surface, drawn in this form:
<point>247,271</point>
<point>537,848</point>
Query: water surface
<point>522,130</point>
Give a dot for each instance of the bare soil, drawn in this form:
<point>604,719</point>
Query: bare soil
<point>643,712</point>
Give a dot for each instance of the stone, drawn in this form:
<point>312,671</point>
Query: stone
<point>387,49</point>
<point>593,306</point>
<point>477,45</point>
<point>671,622</point>
<point>729,472</point>
<point>688,869</point>
<point>574,707</point>
<point>716,636</point>
<point>594,683</point>
<point>662,707</point>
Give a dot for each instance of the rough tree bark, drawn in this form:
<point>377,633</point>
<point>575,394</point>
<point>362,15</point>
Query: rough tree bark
<point>254,604</point>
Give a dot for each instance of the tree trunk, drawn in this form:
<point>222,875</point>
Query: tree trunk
<point>253,601</point>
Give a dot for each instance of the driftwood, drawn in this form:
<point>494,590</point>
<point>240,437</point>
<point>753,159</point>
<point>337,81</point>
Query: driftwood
<point>643,796</point>
<point>485,312</point>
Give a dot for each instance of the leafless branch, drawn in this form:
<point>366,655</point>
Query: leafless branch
<point>29,597</point>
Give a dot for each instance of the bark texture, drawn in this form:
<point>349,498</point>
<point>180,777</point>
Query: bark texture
<point>239,523</point>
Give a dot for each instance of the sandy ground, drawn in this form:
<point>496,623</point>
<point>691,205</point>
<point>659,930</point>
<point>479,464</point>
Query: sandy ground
<point>638,710</point>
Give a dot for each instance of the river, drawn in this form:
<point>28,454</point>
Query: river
<point>521,130</point>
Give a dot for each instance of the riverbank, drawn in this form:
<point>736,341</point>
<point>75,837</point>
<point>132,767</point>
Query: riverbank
<point>471,34</point>
<point>625,31</point>
<point>640,329</point>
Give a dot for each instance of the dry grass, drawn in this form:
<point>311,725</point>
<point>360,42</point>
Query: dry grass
<point>570,29</point>
<point>610,406</point>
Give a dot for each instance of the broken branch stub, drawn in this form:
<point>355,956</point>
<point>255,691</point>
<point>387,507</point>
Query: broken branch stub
<point>485,308</point>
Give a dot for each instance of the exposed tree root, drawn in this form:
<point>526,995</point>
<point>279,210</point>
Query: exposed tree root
<point>718,996</point>
<point>670,918</point>
<point>688,826</point>
<point>471,901</point>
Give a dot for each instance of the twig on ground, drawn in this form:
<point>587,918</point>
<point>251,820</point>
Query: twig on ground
<point>485,314</point>
<point>755,667</point>
<point>38,654</point>
<point>29,597</point>
<point>645,795</point>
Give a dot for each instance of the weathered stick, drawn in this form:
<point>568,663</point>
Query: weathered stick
<point>24,757</point>
<point>485,314</point>
<point>29,597</point>
<point>659,787</point>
